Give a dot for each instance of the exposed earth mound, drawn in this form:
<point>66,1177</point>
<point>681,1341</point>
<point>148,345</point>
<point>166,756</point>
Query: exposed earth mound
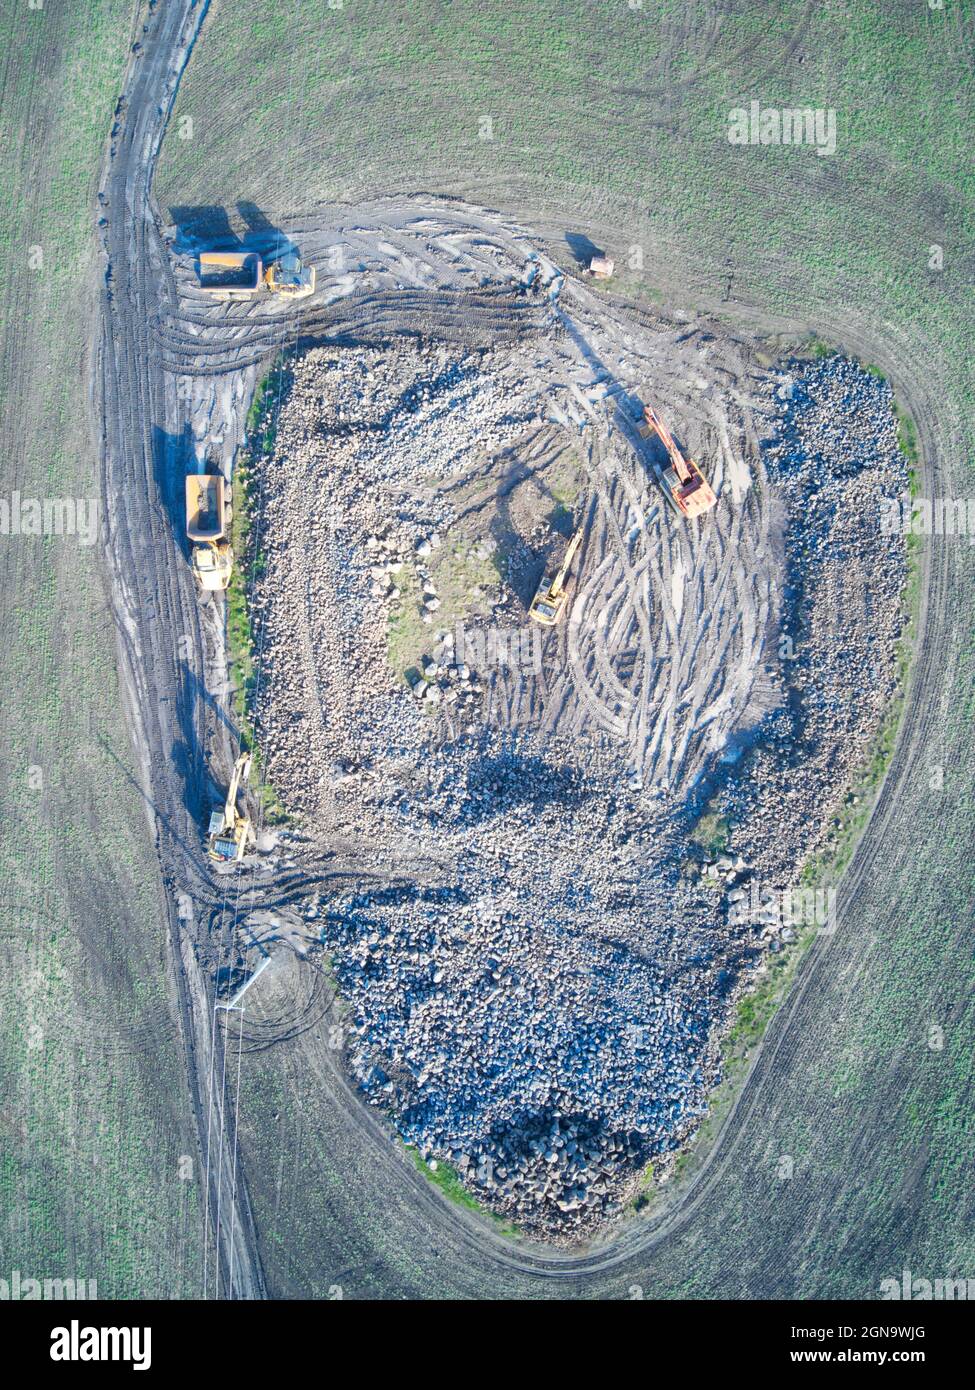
<point>600,824</point>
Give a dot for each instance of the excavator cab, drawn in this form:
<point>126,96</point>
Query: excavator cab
<point>288,276</point>
<point>229,833</point>
<point>549,602</point>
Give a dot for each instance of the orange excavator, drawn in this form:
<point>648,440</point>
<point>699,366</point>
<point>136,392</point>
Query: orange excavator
<point>687,489</point>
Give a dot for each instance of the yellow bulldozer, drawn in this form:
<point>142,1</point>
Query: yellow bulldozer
<point>549,602</point>
<point>228,276</point>
<point>230,833</point>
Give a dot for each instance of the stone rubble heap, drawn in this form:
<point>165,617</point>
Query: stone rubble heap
<point>546,1016</point>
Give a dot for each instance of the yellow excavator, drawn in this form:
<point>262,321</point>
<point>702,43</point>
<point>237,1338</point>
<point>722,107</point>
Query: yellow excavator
<point>548,605</point>
<point>230,833</point>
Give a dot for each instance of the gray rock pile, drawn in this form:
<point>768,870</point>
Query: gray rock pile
<point>545,1013</point>
<point>832,450</point>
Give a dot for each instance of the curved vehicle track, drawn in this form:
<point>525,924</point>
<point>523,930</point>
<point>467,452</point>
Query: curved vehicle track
<point>152,593</point>
<point>386,1231</point>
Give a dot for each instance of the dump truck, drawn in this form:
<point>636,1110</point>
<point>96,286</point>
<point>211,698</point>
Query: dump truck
<point>685,486</point>
<point>208,515</point>
<point>230,275</point>
<point>549,602</point>
<point>230,833</point>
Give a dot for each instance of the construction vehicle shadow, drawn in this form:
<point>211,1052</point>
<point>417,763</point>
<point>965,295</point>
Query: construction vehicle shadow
<point>628,409</point>
<point>196,689</point>
<point>188,753</point>
<point>582,248</point>
<point>214,226</point>
<point>262,235</point>
<point>626,418</point>
<point>173,457</point>
<point>523,580</point>
<point>189,756</point>
<point>504,529</point>
<point>192,851</point>
<point>209,223</point>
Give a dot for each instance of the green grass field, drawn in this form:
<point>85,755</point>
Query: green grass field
<point>92,1128</point>
<point>622,112</point>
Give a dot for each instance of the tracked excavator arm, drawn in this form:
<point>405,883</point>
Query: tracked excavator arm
<point>548,604</point>
<point>686,487</point>
<point>230,833</point>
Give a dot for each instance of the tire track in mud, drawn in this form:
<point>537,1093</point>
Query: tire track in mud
<point>691,563</point>
<point>154,598</point>
<point>629,703</point>
<point>629,1247</point>
<point>622,501</point>
<point>131,389</point>
<point>152,593</point>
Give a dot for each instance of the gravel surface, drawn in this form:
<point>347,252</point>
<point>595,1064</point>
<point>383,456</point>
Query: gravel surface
<point>832,450</point>
<point>546,1015</point>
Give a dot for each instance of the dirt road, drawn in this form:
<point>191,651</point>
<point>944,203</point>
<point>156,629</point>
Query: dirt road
<point>155,604</point>
<point>367,1220</point>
